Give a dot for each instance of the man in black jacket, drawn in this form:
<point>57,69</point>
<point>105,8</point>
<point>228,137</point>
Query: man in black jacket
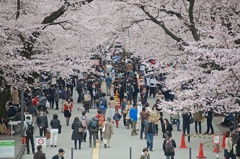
<point>59,155</point>
<point>149,132</point>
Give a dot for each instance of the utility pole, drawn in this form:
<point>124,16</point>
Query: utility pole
<point>22,112</point>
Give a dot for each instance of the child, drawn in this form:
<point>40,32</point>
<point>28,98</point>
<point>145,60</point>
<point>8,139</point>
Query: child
<point>117,117</point>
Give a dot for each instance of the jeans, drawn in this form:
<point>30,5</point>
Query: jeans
<point>150,141</point>
<point>169,157</point>
<point>101,134</point>
<point>209,126</point>
<point>56,102</point>
<point>27,143</point>
<point>79,96</point>
<point>178,123</point>
<point>142,129</point>
<point>199,126</point>
<point>51,102</point>
<point>92,136</point>
<point>42,131</point>
<point>134,128</point>
<point>54,135</point>
<point>152,91</point>
<point>187,128</point>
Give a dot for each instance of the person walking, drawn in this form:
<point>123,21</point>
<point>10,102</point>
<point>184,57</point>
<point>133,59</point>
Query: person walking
<point>93,129</point>
<point>209,116</point>
<point>155,116</point>
<point>238,143</point>
<point>55,124</point>
<point>117,116</point>
<point>144,119</point>
<point>50,96</point>
<point>127,109</point>
<point>197,118</point>
<point>84,121</point>
<point>186,123</point>
<point>112,106</point>
<point>135,92</point>
<point>56,97</point>
<point>166,128</point>
<point>139,108</point>
<point>65,94</point>
<point>108,81</point>
<point>76,135</point>
<point>29,131</point>
<point>133,116</point>
<point>149,133</point>
<point>107,134</point>
<point>145,154</point>
<point>68,110</point>
<point>103,101</point>
<point>42,123</point>
<point>39,154</point>
<point>123,106</point>
<point>228,151</point>
<point>168,146</point>
<point>101,120</point>
<point>60,154</point>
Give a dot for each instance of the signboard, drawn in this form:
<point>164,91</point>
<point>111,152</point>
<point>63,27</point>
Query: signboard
<point>40,140</point>
<point>216,139</point>
<point>54,81</point>
<point>7,149</point>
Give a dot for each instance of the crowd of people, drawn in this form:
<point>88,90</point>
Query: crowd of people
<point>127,79</point>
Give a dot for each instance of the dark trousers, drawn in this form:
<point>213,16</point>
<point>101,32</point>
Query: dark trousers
<point>32,143</point>
<point>101,134</point>
<point>147,88</point>
<point>84,136</point>
<point>42,131</point>
<point>92,138</point>
<point>152,91</point>
<point>142,129</point>
<point>79,96</point>
<point>209,126</point>
<point>187,128</point>
<point>199,126</point>
<point>156,128</point>
<point>56,102</point>
<point>134,99</point>
<point>124,120</point>
<point>51,102</point>
<point>79,144</point>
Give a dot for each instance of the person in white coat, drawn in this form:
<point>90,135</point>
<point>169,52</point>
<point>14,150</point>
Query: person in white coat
<point>139,108</point>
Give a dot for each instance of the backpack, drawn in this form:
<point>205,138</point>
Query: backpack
<point>94,123</point>
<point>84,122</point>
<point>29,131</point>
<point>101,120</point>
<point>87,97</point>
<point>168,146</point>
<point>102,106</point>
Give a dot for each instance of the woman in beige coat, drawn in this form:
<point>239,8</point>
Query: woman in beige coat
<point>128,107</point>
<point>155,117</point>
<point>112,106</point>
<point>107,134</point>
<point>197,118</point>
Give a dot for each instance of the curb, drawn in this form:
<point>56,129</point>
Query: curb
<point>19,156</point>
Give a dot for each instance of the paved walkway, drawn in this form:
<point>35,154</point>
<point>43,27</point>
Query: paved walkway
<point>122,141</point>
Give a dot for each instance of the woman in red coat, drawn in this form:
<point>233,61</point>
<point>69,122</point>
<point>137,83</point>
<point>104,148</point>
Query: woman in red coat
<point>68,110</point>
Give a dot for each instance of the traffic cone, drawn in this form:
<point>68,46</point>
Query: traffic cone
<point>200,153</point>
<point>215,149</point>
<point>223,141</point>
<point>183,144</point>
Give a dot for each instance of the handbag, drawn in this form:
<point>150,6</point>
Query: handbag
<point>59,129</point>
<point>81,130</point>
<point>125,111</point>
<point>104,127</point>
<point>48,135</point>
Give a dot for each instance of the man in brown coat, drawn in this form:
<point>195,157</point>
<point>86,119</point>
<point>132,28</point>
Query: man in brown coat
<point>39,154</point>
<point>197,118</point>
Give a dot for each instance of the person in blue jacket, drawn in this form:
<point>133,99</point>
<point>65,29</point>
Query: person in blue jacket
<point>133,116</point>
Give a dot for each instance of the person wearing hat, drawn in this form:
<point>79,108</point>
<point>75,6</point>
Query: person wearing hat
<point>39,154</point>
<point>59,155</point>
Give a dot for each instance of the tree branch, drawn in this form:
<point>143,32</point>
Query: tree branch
<point>179,15</point>
<point>18,9</point>
<point>191,18</point>
<point>61,23</point>
<point>162,25</point>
